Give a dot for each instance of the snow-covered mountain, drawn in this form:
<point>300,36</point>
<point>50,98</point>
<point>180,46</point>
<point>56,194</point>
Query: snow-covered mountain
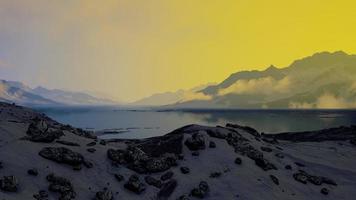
<point>17,92</point>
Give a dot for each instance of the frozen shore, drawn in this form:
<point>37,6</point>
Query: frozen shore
<point>43,159</point>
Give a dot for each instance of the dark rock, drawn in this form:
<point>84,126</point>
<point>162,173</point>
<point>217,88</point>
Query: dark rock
<point>88,164</point>
<point>9,184</point>
<point>195,142</point>
<point>117,156</point>
<point>32,172</point>
<point>158,146</point>
<point>62,155</point>
<point>274,179</point>
<point>248,129</point>
<point>202,191</point>
<point>67,143</point>
<point>167,175</point>
<point>195,153</point>
<point>1,165</point>
<point>161,164</point>
<point>238,161</point>
<point>180,157</point>
<point>301,177</point>
<point>152,181</point>
<point>265,164</point>
<point>304,177</point>
<point>119,177</point>
<point>102,142</point>
<point>183,197</point>
<point>328,181</point>
<point>167,189</point>
<point>212,144</point>
<point>42,195</point>
<point>61,185</point>
<point>279,155</point>
<point>266,149</point>
<point>105,194</point>
<point>134,185</point>
<point>91,144</point>
<point>215,174</point>
<point>91,150</point>
<point>324,191</point>
<point>288,167</point>
<point>185,170</point>
<point>40,131</point>
<point>299,164</point>
<point>77,167</point>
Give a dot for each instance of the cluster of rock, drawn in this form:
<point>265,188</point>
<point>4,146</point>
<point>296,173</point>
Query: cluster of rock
<point>65,155</point>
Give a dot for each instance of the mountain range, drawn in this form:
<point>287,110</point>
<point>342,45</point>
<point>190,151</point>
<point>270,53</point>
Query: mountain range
<point>323,80</point>
<point>17,92</point>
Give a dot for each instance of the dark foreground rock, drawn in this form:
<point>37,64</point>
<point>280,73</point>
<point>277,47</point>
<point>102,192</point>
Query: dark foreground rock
<point>135,185</point>
<point>167,189</point>
<point>40,131</point>
<point>105,194</point>
<point>201,191</point>
<point>62,155</point>
<point>62,186</point>
<point>9,184</point>
<point>304,178</point>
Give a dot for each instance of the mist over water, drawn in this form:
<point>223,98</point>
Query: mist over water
<point>142,123</point>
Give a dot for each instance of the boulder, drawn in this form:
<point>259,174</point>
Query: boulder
<point>167,189</point>
<point>274,179</point>
<point>39,131</point>
<point>195,142</point>
<point>105,194</point>
<point>62,186</point>
<point>152,181</point>
<point>41,195</point>
<point>201,191</point>
<point>185,170</point>
<point>9,184</point>
<point>62,155</point>
<point>134,185</point>
<point>167,175</point>
<point>32,172</point>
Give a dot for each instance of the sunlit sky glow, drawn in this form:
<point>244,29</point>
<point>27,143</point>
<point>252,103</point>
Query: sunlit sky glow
<point>129,49</point>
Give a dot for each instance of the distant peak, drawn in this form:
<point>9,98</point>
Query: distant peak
<point>271,68</point>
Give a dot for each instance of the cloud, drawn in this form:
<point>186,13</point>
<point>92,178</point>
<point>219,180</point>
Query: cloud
<point>303,105</point>
<point>266,85</point>
<point>328,101</point>
<point>325,101</point>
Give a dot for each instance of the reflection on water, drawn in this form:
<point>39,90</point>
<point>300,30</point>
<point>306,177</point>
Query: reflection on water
<point>146,123</point>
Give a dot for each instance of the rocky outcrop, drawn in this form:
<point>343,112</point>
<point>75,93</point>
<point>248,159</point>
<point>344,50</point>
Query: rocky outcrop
<point>195,142</point>
<point>9,184</point>
<point>167,189</point>
<point>105,194</point>
<point>135,185</point>
<point>304,178</point>
<point>40,131</point>
<point>63,155</point>
<point>62,186</point>
<point>201,191</point>
<point>136,159</point>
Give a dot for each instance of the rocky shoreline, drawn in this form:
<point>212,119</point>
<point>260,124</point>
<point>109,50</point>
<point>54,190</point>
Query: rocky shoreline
<point>42,159</point>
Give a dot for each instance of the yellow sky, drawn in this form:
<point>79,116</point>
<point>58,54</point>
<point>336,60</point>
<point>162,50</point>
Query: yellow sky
<point>133,48</point>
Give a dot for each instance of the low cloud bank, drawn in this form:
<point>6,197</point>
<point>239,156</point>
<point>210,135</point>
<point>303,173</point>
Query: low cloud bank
<point>266,85</point>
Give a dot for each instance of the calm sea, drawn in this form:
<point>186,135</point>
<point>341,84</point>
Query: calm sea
<point>113,122</point>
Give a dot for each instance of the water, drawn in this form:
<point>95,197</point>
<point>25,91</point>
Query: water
<point>126,123</point>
